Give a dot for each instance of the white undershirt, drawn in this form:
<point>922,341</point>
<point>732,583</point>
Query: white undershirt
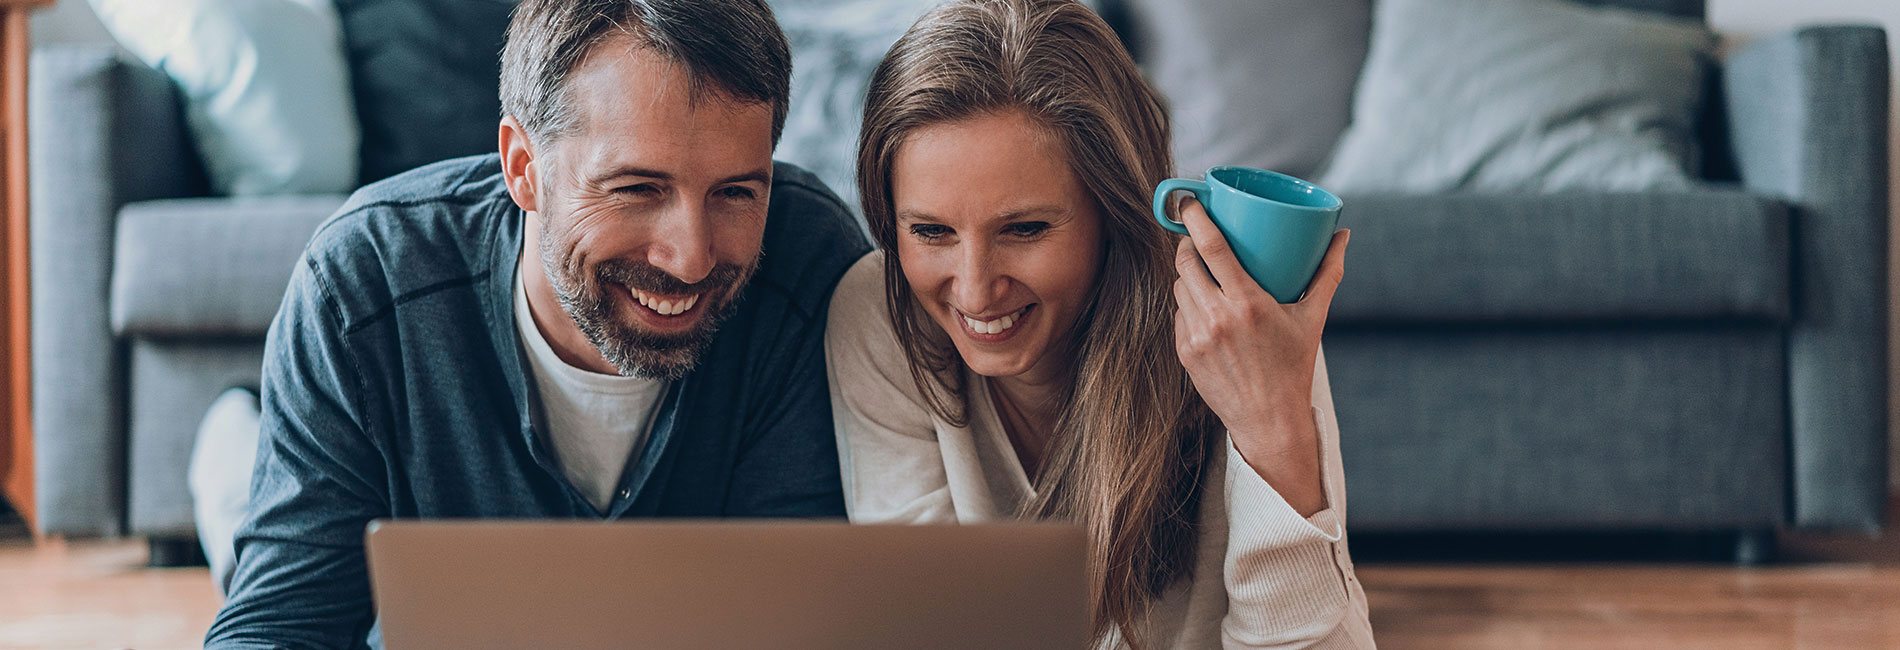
<point>597,422</point>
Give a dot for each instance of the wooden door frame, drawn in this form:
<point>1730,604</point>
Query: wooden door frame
<point>16,373</point>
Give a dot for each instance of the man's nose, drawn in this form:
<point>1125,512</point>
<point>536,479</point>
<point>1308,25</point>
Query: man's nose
<point>682,243</point>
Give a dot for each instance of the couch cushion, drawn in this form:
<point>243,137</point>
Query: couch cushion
<point>1561,428</point>
<point>267,92</point>
<point>1693,255</point>
<point>427,78</point>
<point>208,267</point>
<point>173,384</point>
<point>1252,82</point>
<point>1527,95</point>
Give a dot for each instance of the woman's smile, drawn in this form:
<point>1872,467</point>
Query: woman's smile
<point>994,329</point>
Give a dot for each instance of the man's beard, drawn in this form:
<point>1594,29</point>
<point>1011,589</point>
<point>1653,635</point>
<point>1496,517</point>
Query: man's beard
<point>630,348</point>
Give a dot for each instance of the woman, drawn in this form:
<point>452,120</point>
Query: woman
<point>1029,344</point>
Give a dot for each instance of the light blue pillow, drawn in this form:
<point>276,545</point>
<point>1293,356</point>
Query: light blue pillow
<point>1523,95</point>
<point>265,82</point>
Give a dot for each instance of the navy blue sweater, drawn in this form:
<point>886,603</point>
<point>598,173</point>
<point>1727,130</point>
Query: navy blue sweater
<point>395,386</point>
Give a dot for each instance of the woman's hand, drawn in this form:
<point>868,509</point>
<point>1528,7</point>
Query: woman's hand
<point>1252,358</point>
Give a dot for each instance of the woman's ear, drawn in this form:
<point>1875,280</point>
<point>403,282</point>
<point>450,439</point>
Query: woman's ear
<point>517,163</point>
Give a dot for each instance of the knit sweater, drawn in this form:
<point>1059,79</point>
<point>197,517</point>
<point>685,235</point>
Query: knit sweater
<point>1264,577</point>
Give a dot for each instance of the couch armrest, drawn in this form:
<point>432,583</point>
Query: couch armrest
<point>103,132</point>
<point>1808,113</point>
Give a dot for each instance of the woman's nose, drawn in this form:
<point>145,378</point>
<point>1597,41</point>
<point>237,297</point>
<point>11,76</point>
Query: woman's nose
<point>979,283</point>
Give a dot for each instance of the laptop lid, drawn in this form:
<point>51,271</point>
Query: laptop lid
<point>692,585</point>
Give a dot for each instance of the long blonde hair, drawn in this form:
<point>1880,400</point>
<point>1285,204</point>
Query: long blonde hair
<point>1130,444</point>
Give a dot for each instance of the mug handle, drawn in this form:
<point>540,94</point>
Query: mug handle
<point>1170,186</point>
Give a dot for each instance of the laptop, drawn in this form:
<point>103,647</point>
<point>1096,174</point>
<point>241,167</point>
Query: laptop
<point>676,585</point>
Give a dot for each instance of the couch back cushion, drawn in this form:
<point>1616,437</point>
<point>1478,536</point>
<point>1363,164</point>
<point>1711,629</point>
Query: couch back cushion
<point>1523,95</point>
<point>1265,83</point>
<point>426,74</point>
<point>265,88</point>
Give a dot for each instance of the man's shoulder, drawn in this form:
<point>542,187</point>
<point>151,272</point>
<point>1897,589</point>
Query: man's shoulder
<point>811,237</point>
<point>466,180</point>
<point>430,227</point>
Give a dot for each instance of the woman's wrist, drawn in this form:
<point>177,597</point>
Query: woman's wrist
<point>1282,446</point>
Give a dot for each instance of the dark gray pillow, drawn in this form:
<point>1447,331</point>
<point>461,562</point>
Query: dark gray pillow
<point>1264,83</point>
<point>426,74</point>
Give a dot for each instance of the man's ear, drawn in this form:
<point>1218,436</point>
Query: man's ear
<point>517,163</point>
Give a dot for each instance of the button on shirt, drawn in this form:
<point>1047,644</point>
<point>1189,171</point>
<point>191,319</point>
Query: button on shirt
<point>596,421</point>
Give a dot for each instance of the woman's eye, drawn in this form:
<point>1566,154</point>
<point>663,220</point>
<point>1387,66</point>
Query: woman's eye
<point>1026,229</point>
<point>928,231</point>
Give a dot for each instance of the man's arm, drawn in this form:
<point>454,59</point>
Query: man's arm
<point>788,464</point>
<point>301,579</point>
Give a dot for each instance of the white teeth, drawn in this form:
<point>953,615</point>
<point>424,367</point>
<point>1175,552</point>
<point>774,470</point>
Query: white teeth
<point>997,326</point>
<point>665,307</point>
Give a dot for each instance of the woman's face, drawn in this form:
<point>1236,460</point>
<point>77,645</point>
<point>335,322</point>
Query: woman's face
<point>998,240</point>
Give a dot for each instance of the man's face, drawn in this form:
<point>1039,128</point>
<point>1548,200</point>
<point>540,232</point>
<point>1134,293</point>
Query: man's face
<point>652,210</point>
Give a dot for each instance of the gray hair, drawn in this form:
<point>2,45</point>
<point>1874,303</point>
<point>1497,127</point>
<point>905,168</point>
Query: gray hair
<point>732,46</point>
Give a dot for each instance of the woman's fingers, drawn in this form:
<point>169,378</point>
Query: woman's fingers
<point>1213,248</point>
<point>1332,270</point>
<point>1188,267</point>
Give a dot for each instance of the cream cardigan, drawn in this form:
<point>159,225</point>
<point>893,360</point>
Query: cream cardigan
<point>1284,581</point>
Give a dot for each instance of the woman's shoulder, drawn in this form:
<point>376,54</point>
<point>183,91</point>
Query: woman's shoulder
<point>858,309</point>
<point>859,336</point>
<point>871,383</point>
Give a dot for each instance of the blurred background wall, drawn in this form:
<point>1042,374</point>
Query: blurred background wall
<point>68,21</point>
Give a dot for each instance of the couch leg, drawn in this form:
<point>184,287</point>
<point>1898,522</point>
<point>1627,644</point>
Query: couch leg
<point>172,552</point>
<point>1754,547</point>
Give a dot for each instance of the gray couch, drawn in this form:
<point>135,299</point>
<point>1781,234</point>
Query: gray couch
<point>1704,360</point>
<point>1711,360</point>
<point>149,298</point>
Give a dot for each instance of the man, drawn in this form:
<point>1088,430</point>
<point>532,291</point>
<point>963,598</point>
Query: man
<point>621,315</point>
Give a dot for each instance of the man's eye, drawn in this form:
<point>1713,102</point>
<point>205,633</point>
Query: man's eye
<point>1026,229</point>
<point>641,190</point>
<point>736,193</point>
<point>928,231</point>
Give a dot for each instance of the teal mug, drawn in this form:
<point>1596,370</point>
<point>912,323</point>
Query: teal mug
<point>1278,226</point>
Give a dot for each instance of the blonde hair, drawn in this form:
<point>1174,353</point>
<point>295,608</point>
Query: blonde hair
<point>1130,444</point>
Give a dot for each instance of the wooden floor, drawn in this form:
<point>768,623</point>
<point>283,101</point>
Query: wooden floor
<point>1606,607</point>
<point>98,595</point>
<point>1832,593</point>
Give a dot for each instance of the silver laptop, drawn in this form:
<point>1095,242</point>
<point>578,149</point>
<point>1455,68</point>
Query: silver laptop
<point>726,585</point>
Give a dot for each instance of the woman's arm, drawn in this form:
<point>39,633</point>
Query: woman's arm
<point>1288,577</point>
<point>1258,365</point>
